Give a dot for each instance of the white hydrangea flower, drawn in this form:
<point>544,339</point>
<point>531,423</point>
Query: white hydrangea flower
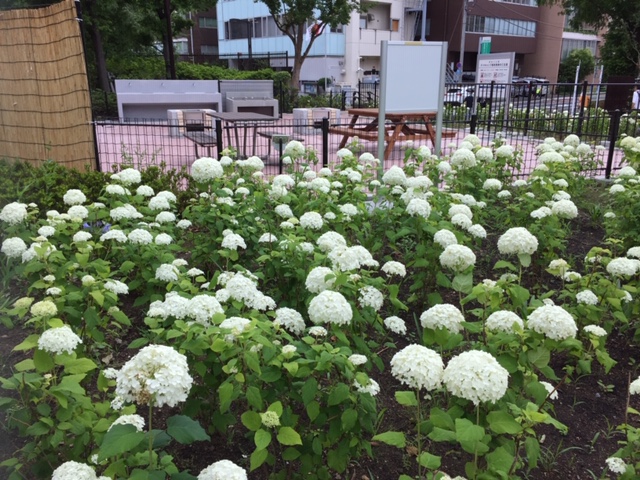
<point>115,190</point>
<point>156,375</point>
<point>587,297</point>
<point>14,213</point>
<point>163,239</point>
<point>267,238</point>
<point>418,367</point>
<point>290,319</point>
<point>53,291</point>
<point>616,189</point>
<point>167,273</point>
<point>492,184</point>
<point>78,212</point>
<point>460,209</point>
<point>552,321</point>
<point>444,238</point>
<point>183,224</point>
<point>59,340</point>
<point>634,252</point>
<point>140,236</point>
<point>444,167</point>
<point>394,268</point>
<point>634,387</point>
<point>74,471</point>
<point>318,331</point>
<point>128,176</point>
<point>503,321</point>
<point>283,211</point>
<point>394,176</point>
<point>237,325</point>
<point>13,247</point>
<point>330,307</point>
<point>419,207</point>
<point>330,240</point>
<point>349,210</point>
<point>484,154</point>
<point>206,169</point>
<point>116,286</point>
<point>551,157</point>
<point>565,209</point>
<point>370,297</point>
<point>476,376</point>
<point>462,221</point>
<point>615,464</point>
<point>233,241</point>
<point>82,236</point>
<point>136,420</point>
<point>477,231</point>
<point>311,220</point>
<point>357,359</point>
<point>517,240</point>
<point>223,469</point>
<point>457,258</point>
<point>74,197</point>
<point>396,325</point>
<point>541,212</point>
<point>463,158</point>
<point>595,330</point>
<point>320,279</point>
<point>551,391</point>
<point>200,307</point>
<point>444,315</point>
<point>623,266</point>
<point>45,308</point>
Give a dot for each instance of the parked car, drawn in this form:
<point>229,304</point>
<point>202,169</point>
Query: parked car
<point>456,96</point>
<point>522,86</point>
<point>486,94</point>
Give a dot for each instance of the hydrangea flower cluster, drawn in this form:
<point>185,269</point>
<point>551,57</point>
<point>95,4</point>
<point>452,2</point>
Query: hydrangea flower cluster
<point>223,470</point>
<point>59,340</point>
<point>445,316</point>
<point>394,268</point>
<point>206,169</point>
<point>320,279</point>
<point>503,321</point>
<point>330,307</point>
<point>476,376</point>
<point>157,375</point>
<point>290,319</point>
<point>418,367</point>
<point>552,321</point>
<point>135,420</point>
<point>516,241</point>
<point>396,325</point>
<point>13,247</point>
<point>457,258</point>
<point>75,471</point>
<point>14,213</point>
<point>370,297</point>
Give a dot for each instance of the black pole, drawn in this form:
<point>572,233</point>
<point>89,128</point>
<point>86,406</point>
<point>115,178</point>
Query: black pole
<point>325,142</point>
<point>613,135</point>
<point>219,137</point>
<point>583,99</point>
<point>172,60</point>
<point>473,124</point>
<point>526,116</point>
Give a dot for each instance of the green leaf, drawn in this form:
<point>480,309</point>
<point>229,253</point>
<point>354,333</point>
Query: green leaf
<point>442,435</point>
<point>225,393</point>
<point>118,440</point>
<point>276,407</point>
<point>500,460</point>
<point>463,283</point>
<point>28,343</point>
<point>470,436</point>
<point>251,420</point>
<point>407,398</point>
<point>290,454</point>
<point>97,296</point>
<point>79,365</point>
<point>532,447</point>
<point>395,439</point>
<point>349,418</point>
<point>539,357</point>
<point>186,430</point>
<point>42,361</point>
<point>525,259</point>
<point>500,264</point>
<point>254,397</point>
<point>71,384</point>
<point>313,410</point>
<point>258,457</point>
<point>429,461</point>
<point>501,421</point>
<point>309,390</point>
<point>137,343</point>
<point>338,395</point>
<point>262,439</point>
<point>288,436</point>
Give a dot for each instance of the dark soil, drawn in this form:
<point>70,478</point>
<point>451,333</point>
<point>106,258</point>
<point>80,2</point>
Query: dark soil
<point>591,406</point>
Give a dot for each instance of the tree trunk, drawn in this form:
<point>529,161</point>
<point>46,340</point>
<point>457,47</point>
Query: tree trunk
<point>98,49</point>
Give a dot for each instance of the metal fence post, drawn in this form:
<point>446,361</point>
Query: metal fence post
<point>526,115</point>
<point>219,137</point>
<point>614,127</point>
<point>583,99</point>
<point>325,141</point>
<point>473,124</point>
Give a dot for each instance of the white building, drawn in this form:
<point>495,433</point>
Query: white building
<point>343,54</point>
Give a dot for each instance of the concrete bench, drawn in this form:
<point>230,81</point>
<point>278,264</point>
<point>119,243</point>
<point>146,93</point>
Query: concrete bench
<point>152,98</point>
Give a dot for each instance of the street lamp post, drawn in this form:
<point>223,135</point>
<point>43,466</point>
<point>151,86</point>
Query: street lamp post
<point>466,6</point>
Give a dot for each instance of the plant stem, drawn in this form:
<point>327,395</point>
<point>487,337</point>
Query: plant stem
<point>419,433</point>
<point>475,452</point>
<point>150,433</point>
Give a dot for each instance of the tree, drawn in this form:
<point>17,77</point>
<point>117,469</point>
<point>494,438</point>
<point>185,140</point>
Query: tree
<point>582,57</point>
<point>617,53</point>
<point>292,17</point>
<point>622,15</point>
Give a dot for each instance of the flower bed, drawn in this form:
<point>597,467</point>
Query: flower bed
<point>266,313</point>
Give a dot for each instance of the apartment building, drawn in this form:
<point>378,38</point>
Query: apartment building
<point>349,52</point>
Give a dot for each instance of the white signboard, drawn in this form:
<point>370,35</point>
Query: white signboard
<point>495,67</point>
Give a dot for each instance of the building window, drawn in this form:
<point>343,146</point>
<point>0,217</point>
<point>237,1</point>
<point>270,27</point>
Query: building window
<point>395,25</point>
<point>500,26</point>
<point>363,22</point>
<point>208,49</point>
<point>528,3</point>
<point>570,44</point>
<point>206,22</point>
<point>337,29</point>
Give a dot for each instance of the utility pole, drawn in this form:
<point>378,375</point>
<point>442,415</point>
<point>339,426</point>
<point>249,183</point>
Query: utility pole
<point>169,46</point>
<point>466,6</point>
<point>423,36</point>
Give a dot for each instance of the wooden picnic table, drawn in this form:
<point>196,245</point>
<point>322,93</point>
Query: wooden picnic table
<point>398,127</point>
